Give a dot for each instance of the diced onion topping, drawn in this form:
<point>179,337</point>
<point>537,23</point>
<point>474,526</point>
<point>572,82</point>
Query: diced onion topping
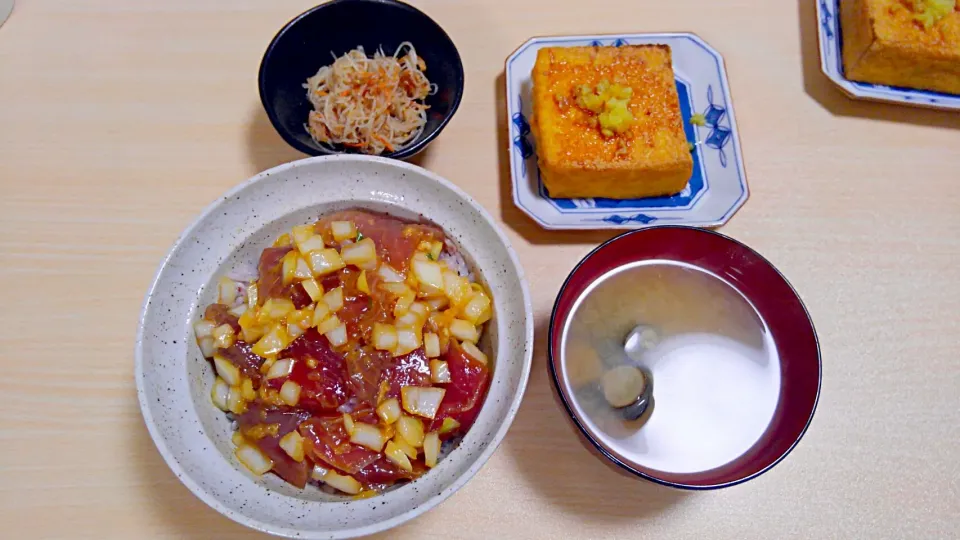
<point>220,393</point>
<point>292,444</point>
<point>318,472</point>
<point>407,341</point>
<point>203,328</point>
<point>313,243</point>
<point>439,372</point>
<point>420,309</point>
<point>275,309</point>
<point>302,270</point>
<point>207,347</point>
<point>404,301</point>
<point>346,484</point>
<point>362,284</point>
<point>238,310</point>
<point>421,400</point>
<point>328,324</point>
<point>300,318</point>
<point>348,423</point>
<point>289,267</point>
<point>223,336</point>
<point>389,410</point>
<point>463,330</point>
<point>449,424</point>
<point>473,351</point>
<point>362,254</point>
<point>407,448</point>
<point>428,273</point>
<point>431,449</point>
<point>302,233</point>
<point>384,337</point>
<point>411,430</point>
<point>280,368</point>
<point>294,330</point>
<point>253,297</point>
<point>431,345</point>
<point>320,313</point>
<point>389,275</point>
<point>275,341</point>
<point>437,303</point>
<point>334,299</point>
<point>410,320</point>
<point>397,456</point>
<point>314,290</point>
<point>324,261</point>
<point>235,402</point>
<point>397,289</point>
<point>477,308</point>
<point>227,288</point>
<point>455,287</point>
<point>226,370</point>
<point>338,336</point>
<point>368,436</point>
<point>247,390</point>
<point>343,230</point>
<point>290,393</point>
<point>266,365</point>
<point>253,459</point>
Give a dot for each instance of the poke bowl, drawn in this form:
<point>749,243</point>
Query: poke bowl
<point>334,347</point>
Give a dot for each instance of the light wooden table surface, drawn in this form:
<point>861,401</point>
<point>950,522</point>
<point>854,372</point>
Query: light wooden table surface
<point>120,120</point>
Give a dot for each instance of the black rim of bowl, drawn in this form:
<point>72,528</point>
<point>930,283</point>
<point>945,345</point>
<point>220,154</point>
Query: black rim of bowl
<point>582,429</point>
<point>407,151</point>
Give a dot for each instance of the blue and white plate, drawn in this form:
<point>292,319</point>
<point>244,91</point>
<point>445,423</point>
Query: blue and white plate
<point>831,62</point>
<point>718,187</point>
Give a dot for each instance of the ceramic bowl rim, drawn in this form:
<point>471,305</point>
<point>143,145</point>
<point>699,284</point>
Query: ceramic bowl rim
<point>492,441</point>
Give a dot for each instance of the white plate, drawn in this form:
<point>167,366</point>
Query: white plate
<point>174,381</point>
<point>718,187</point>
<point>831,63</point>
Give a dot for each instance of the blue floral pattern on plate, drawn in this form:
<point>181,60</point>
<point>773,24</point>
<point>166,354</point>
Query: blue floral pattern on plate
<point>717,187</point>
<point>831,63</point>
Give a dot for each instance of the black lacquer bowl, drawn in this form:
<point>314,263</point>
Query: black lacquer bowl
<point>305,44</point>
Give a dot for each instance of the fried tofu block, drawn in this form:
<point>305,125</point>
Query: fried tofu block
<point>650,158</point>
<point>884,43</point>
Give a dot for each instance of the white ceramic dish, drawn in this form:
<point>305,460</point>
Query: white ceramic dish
<point>830,39</point>
<point>718,187</point>
<point>174,381</point>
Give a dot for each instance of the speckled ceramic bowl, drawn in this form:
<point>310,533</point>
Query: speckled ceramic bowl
<point>174,381</point>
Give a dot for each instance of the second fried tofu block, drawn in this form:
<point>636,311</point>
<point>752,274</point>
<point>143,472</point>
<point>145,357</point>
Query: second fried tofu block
<point>650,158</point>
<point>885,42</point>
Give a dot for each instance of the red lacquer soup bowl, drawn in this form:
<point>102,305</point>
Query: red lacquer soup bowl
<point>716,347</point>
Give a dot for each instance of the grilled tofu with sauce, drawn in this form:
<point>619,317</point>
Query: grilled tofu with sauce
<point>887,42</point>
<point>578,157</point>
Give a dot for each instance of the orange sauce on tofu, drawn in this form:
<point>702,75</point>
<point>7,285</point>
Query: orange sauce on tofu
<point>652,82</point>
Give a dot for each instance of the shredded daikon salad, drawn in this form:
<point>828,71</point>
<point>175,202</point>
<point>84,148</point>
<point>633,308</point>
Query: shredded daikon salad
<point>370,104</point>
